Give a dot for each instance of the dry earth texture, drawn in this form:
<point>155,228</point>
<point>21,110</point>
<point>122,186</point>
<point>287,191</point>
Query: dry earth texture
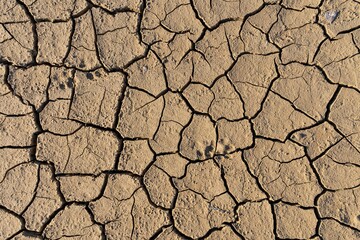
<point>180,119</point>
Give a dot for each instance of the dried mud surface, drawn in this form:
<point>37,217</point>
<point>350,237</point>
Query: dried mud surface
<point>180,119</point>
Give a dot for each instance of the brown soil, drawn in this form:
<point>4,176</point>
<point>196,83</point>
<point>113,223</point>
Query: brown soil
<point>180,119</point>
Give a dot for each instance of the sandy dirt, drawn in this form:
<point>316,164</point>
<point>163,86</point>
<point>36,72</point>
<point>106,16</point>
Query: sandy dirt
<point>180,119</point>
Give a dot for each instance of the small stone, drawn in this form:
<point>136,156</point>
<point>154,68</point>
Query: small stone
<point>331,15</point>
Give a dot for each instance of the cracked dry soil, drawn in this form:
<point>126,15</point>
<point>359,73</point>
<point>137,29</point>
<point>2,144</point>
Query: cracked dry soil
<point>180,119</point>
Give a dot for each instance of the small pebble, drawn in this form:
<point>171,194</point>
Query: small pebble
<point>331,15</point>
<point>145,69</point>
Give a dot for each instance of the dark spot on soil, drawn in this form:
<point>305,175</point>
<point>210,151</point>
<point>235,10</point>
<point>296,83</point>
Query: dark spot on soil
<point>358,217</point>
<point>64,73</point>
<point>82,64</point>
<point>89,76</point>
<point>97,74</point>
<point>30,234</point>
<point>56,77</point>
<point>302,135</point>
<point>344,216</point>
<point>62,86</point>
<point>208,151</point>
<point>198,154</point>
<point>70,83</point>
<point>345,219</point>
<point>227,148</point>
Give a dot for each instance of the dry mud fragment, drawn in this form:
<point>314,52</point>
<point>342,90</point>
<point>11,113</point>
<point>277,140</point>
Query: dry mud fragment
<point>181,19</point>
<point>30,84</point>
<point>50,10</point>
<point>298,39</point>
<point>255,220</point>
<point>215,56</point>
<point>252,75</point>
<point>9,225</point>
<point>10,158</point>
<point>147,74</point>
<point>241,184</point>
<point>10,103</point>
<point>140,114</point>
<point>117,39</point>
<point>82,53</point>
<point>294,222</point>
<point>255,41</point>
<point>331,229</point>
<point>81,188</point>
<point>176,109</point>
<point>163,19</point>
<point>136,156</point>
<point>116,198</point>
<point>167,137</point>
<point>161,190</point>
<point>87,151</point>
<point>283,171</point>
<point>278,118</point>
<point>335,50</point>
<point>17,41</point>
<point>175,116</point>
<point>227,102</point>
<point>144,214</point>
<point>179,74</point>
<point>317,139</point>
<point>12,12</point>
<point>54,117</point>
<point>61,83</point>
<point>47,200</point>
<point>233,135</point>
<point>194,216</point>
<point>300,5</point>
<point>125,201</point>
<point>305,88</point>
<point>344,71</point>
<point>254,33</point>
<point>18,187</point>
<point>96,97</point>
<point>199,96</point>
<point>73,221</point>
<point>344,114</point>
<point>204,178</point>
<point>53,41</point>
<point>173,164</point>
<point>341,160</point>
<point>342,205</point>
